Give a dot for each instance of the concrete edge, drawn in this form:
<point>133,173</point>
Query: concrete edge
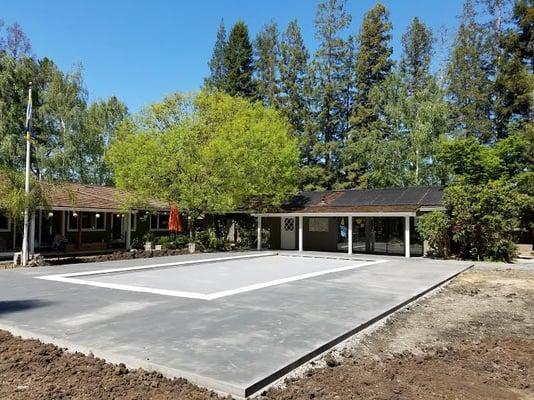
<point>131,362</point>
<point>270,379</point>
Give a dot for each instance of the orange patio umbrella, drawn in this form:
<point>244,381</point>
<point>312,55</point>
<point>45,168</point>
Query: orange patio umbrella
<point>175,222</point>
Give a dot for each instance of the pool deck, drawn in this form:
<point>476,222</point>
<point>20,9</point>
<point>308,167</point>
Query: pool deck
<point>236,343</point>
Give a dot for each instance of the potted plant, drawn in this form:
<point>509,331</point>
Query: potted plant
<point>149,240</point>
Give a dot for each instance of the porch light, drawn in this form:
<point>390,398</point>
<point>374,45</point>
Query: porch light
<point>50,214</point>
<point>74,214</point>
<point>118,215</point>
<point>97,215</point>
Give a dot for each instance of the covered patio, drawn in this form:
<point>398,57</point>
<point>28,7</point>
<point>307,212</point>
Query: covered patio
<point>372,221</point>
<point>84,219</point>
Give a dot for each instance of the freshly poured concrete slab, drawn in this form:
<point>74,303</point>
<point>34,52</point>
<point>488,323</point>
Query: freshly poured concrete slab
<point>237,343</point>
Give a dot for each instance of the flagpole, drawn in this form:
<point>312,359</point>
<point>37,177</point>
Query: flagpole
<point>25,239</point>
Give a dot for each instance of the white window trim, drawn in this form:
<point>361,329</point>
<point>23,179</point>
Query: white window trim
<point>8,225</point>
<point>158,229</point>
<point>102,215</point>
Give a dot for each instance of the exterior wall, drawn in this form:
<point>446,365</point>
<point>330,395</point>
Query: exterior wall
<point>6,238</point>
<point>273,225</point>
<point>321,241</point>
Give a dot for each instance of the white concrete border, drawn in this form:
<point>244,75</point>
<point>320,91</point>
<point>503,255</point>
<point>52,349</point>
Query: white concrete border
<point>73,278</point>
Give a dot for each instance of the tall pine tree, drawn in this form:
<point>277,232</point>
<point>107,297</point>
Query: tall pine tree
<point>217,63</point>
<point>470,85</point>
<point>373,64</point>
<point>238,61</point>
<point>295,89</point>
<point>514,80</point>
<point>330,76</point>
<point>266,64</point>
<point>417,54</point>
<point>368,127</point>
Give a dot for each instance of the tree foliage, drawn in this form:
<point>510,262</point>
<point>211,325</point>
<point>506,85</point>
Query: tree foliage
<point>239,63</point>
<point>210,153</point>
<point>331,80</point>
<point>267,64</point>
<point>217,63</point>
<point>434,228</point>
<point>483,218</point>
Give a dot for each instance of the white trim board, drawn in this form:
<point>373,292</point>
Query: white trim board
<point>74,278</point>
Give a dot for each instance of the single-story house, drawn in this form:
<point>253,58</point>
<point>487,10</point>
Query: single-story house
<point>378,221</point>
<point>375,221</point>
<point>89,217</point>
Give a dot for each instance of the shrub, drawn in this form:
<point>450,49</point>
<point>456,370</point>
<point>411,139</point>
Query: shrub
<point>483,218</point>
<point>173,242</point>
<point>434,228</point>
<point>137,243</point>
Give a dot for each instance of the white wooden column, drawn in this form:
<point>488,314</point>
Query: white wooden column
<point>301,233</point>
<point>407,237</point>
<point>14,227</point>
<point>350,235</point>
<point>40,232</point>
<point>31,239</point>
<point>259,233</point>
<point>128,236</point>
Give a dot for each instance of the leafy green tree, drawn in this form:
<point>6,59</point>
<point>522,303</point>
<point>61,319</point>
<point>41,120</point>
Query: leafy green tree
<point>99,123</point>
<point>221,154</point>
<point>267,65</point>
<point>217,63</point>
<point>470,86</point>
<point>239,63</point>
<point>13,198</point>
<point>329,100</point>
<point>15,42</point>
<point>420,106</point>
<point>59,155</point>
<point>15,76</point>
<point>470,161</point>
<point>434,228</point>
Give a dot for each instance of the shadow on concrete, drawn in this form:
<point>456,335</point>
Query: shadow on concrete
<point>7,307</point>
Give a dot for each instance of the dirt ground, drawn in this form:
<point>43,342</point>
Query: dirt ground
<point>473,339</point>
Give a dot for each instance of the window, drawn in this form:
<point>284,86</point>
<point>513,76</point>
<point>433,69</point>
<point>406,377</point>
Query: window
<point>89,221</point>
<point>159,222</point>
<point>4,223</point>
<point>318,225</point>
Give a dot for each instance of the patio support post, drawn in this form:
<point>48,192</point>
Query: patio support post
<point>301,233</point>
<point>128,238</point>
<point>259,233</point>
<point>31,238</point>
<point>14,227</point>
<point>407,237</point>
<point>350,235</point>
<point>40,232</point>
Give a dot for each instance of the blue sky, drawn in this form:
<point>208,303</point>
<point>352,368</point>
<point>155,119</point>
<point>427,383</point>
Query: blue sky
<point>142,50</point>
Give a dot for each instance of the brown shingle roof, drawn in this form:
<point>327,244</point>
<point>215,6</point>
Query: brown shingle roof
<point>78,196</point>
